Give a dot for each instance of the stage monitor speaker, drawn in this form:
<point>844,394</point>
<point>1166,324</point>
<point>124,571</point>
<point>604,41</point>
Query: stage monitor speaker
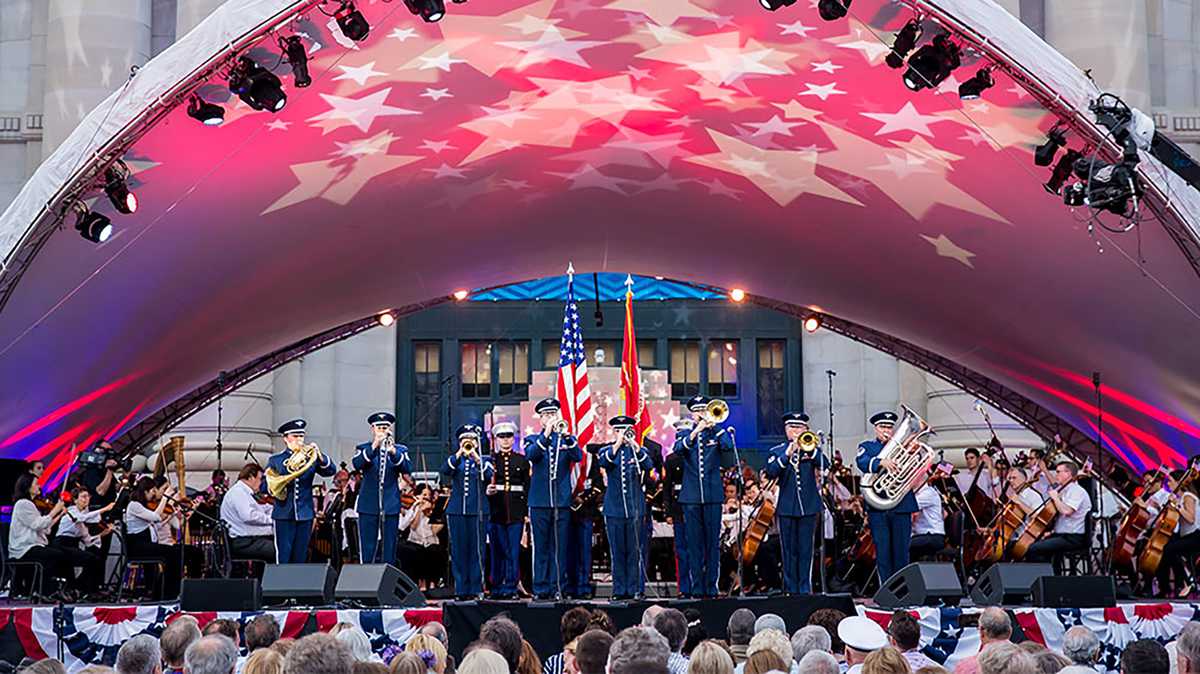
<point>298,584</point>
<point>1005,584</point>
<point>377,585</point>
<point>220,594</point>
<point>1075,592</point>
<point>921,584</point>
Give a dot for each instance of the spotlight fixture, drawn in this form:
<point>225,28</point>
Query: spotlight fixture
<point>812,323</point>
<point>351,21</point>
<point>932,63</point>
<point>93,226</point>
<point>256,86</point>
<point>906,39</point>
<point>772,5</point>
<point>1062,171</point>
<point>981,81</point>
<point>208,114</point>
<point>386,319</point>
<point>832,10</point>
<point>460,295</point>
<point>429,10</point>
<point>117,189</point>
<point>460,2</point>
<point>297,58</point>
<point>1044,154</point>
<point>737,295</point>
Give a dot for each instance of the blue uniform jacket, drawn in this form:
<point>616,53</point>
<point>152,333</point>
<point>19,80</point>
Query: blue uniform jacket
<point>702,465</point>
<point>868,463</point>
<point>368,495</point>
<point>798,492</point>
<point>297,504</point>
<point>540,450</point>
<point>466,487</point>
<point>624,468</point>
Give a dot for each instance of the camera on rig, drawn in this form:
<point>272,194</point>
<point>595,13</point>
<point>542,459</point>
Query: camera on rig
<point>1104,185</point>
<point>98,457</point>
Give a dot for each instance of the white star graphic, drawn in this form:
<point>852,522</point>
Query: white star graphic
<point>902,165</point>
<point>436,94</point>
<point>402,34</point>
<point>515,184</point>
<point>773,126</point>
<point>434,145</point>
<point>530,24</point>
<point>363,147</point>
<point>826,66</point>
<point>905,119</point>
<point>686,120</point>
<point>1018,91</point>
<point>824,91</point>
<point>360,74</point>
<point>796,28</point>
<point>872,49</point>
<point>442,61</point>
<point>637,73</point>
<point>278,125</point>
<point>973,137</point>
<point>587,176</point>
<point>361,112</point>
<point>718,188</point>
<point>551,46</point>
<point>947,248</point>
<point>446,171</point>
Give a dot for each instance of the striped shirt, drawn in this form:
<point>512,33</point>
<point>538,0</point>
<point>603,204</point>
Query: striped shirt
<point>553,664</point>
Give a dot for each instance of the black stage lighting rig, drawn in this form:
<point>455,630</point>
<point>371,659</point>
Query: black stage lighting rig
<point>256,86</point>
<point>906,39</point>
<point>429,10</point>
<point>351,21</point>
<point>772,5</point>
<point>93,226</point>
<point>1055,138</point>
<point>1110,186</point>
<point>1062,171</point>
<point>973,88</point>
<point>932,63</point>
<point>297,57</point>
<point>116,187</point>
<point>208,114</point>
<point>832,10</point>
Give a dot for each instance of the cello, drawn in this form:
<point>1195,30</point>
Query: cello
<point>1039,521</point>
<point>1133,526</point>
<point>1164,527</point>
<point>1000,534</point>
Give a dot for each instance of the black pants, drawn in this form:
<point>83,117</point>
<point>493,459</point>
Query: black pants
<point>55,564</point>
<point>261,548</point>
<point>1054,545</point>
<point>89,560</point>
<point>924,545</point>
<point>173,558</point>
<point>1174,560</point>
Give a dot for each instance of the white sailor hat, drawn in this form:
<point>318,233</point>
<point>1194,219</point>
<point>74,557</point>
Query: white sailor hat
<point>884,418</point>
<point>862,634</point>
<point>294,427</point>
<point>504,428</point>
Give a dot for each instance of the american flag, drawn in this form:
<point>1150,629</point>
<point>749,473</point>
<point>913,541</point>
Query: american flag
<point>574,394</point>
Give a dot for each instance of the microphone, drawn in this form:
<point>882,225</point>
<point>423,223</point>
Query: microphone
<point>1096,379</point>
<point>831,373</point>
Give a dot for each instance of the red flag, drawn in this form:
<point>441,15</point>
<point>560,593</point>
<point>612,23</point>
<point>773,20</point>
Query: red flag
<point>631,374</point>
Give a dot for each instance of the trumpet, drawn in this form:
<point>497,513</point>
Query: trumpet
<point>630,437</point>
<point>559,426</point>
<point>469,445</point>
<point>716,412</point>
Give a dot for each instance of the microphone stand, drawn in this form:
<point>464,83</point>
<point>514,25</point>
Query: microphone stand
<point>826,487</point>
<point>741,495</point>
<point>1100,482</point>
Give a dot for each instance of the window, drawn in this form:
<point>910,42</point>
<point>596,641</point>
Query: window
<point>772,391</point>
<point>476,369</point>
<point>512,372</point>
<point>427,376</point>
<point>646,353</point>
<point>685,368</point>
<point>612,352</point>
<point>723,368</point>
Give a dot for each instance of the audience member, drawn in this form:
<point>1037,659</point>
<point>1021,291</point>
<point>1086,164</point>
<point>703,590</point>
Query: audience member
<point>600,620</point>
<point>769,621</point>
<point>178,635</point>
<point>994,628</point>
<point>818,662</point>
<point>360,644</point>
<point>223,626</point>
<point>139,655</point>
<point>1077,669</point>
<point>650,614</point>
<point>283,645</point>
<point>214,654</point>
<point>591,651</point>
<point>1004,657</point>
<point>672,624</point>
<point>932,669</point>
<point>506,635</point>
<point>904,632</point>
<point>775,641</point>
<point>318,654</point>
<point>430,650</point>
<point>1032,647</point>
<point>573,623</point>
<point>708,657</point>
<point>408,663</point>
<point>436,630</point>
<point>829,619</point>
<point>530,663</point>
<point>761,662</point>
<point>1187,649</point>
<point>261,632</point>
<point>483,661</point>
<point>1144,656</point>
<point>44,666</point>
<point>361,667</point>
<point>810,638</point>
<point>1050,663</point>
<point>861,636</point>
<point>740,629</point>
<point>695,631</point>
<point>886,660</point>
<point>1081,646</point>
<point>638,650</point>
<point>265,660</point>
<point>95,669</point>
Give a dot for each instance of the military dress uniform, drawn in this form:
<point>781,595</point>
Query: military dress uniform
<point>890,529</point>
<point>796,513</point>
<point>672,486</point>
<point>293,514</point>
<point>550,457</point>
<point>624,510</point>
<point>374,509</point>
<point>465,513</point>
<point>702,494</point>
<point>588,482</point>
<point>508,509</point>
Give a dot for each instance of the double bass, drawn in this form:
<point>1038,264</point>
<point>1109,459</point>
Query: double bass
<point>1164,526</point>
<point>1039,521</point>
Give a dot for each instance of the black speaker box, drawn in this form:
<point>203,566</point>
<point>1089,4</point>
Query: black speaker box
<point>1075,592</point>
<point>220,594</point>
<point>921,584</point>
<point>1005,584</point>
<point>298,584</point>
<point>377,585</point>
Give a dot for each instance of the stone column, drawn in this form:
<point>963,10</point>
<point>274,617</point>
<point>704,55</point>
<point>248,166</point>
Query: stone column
<point>1110,38</point>
<point>951,412</point>
<point>247,423</point>
<point>189,13</point>
<point>90,47</point>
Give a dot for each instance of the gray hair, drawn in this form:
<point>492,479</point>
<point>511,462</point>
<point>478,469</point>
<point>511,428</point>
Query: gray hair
<point>650,614</point>
<point>994,624</point>
<point>318,654</point>
<point>175,639</point>
<point>636,645</point>
<point>1188,646</point>
<point>45,666</point>
<point>810,638</point>
<point>818,662</point>
<point>359,644</point>
<point>772,640</point>
<point>96,669</point>
<point>139,655</point>
<point>769,621</point>
<point>1004,658</point>
<point>213,654</point>
<point>1077,669</point>
<point>740,627</point>
<point>1081,645</point>
<point>436,630</point>
<point>483,661</point>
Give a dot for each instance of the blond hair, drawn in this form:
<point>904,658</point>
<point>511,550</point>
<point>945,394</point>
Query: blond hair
<point>263,661</point>
<point>483,661</point>
<point>886,660</point>
<point>424,642</point>
<point>709,657</point>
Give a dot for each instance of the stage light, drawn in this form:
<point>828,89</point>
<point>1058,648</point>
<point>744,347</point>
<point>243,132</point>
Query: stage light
<point>974,87</point>
<point>737,295</point>
<point>772,5</point>
<point>208,114</point>
<point>812,323</point>
<point>906,39</point>
<point>932,64</point>
<point>118,190</point>
<point>429,10</point>
<point>256,86</point>
<point>460,295</point>
<point>386,319</point>
<point>351,21</point>
<point>1062,171</point>
<point>1044,154</point>
<point>93,226</point>
<point>297,58</point>
<point>832,10</point>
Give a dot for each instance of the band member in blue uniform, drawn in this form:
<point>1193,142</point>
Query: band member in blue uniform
<point>624,463</point>
<point>587,482</point>
<point>374,506</point>
<point>468,471</point>
<point>506,500</point>
<point>702,494</point>
<point>672,487</point>
<point>890,529</point>
<point>293,514</point>
<point>550,454</point>
<point>799,503</point>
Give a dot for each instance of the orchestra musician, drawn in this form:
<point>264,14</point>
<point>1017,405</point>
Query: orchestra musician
<point>77,542</point>
<point>169,529</point>
<point>928,523</point>
<point>1018,487</point>
<point>468,471</point>
<point>1184,544</point>
<point>701,496</point>
<point>1073,504</point>
<point>29,534</point>
<point>379,511</point>
<point>251,527</point>
<point>294,513</point>
<point>673,466</point>
<point>799,504</point>
<point>421,556</point>
<point>550,454</point>
<point>94,470</point>
<point>148,507</point>
<point>507,503</point>
<point>890,529</point>
<point>977,474</point>
<point>625,462</point>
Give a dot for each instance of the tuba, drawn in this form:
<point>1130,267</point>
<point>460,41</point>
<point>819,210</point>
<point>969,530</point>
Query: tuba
<point>296,465</point>
<point>716,411</point>
<point>885,489</point>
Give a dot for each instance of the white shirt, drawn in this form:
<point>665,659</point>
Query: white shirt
<point>77,527</point>
<point>29,528</point>
<point>1155,503</point>
<point>420,531</point>
<point>1077,497</point>
<point>244,515</point>
<point>1185,527</point>
<point>139,518</point>
<point>929,518</point>
<point>1031,498</point>
<point>965,477</point>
